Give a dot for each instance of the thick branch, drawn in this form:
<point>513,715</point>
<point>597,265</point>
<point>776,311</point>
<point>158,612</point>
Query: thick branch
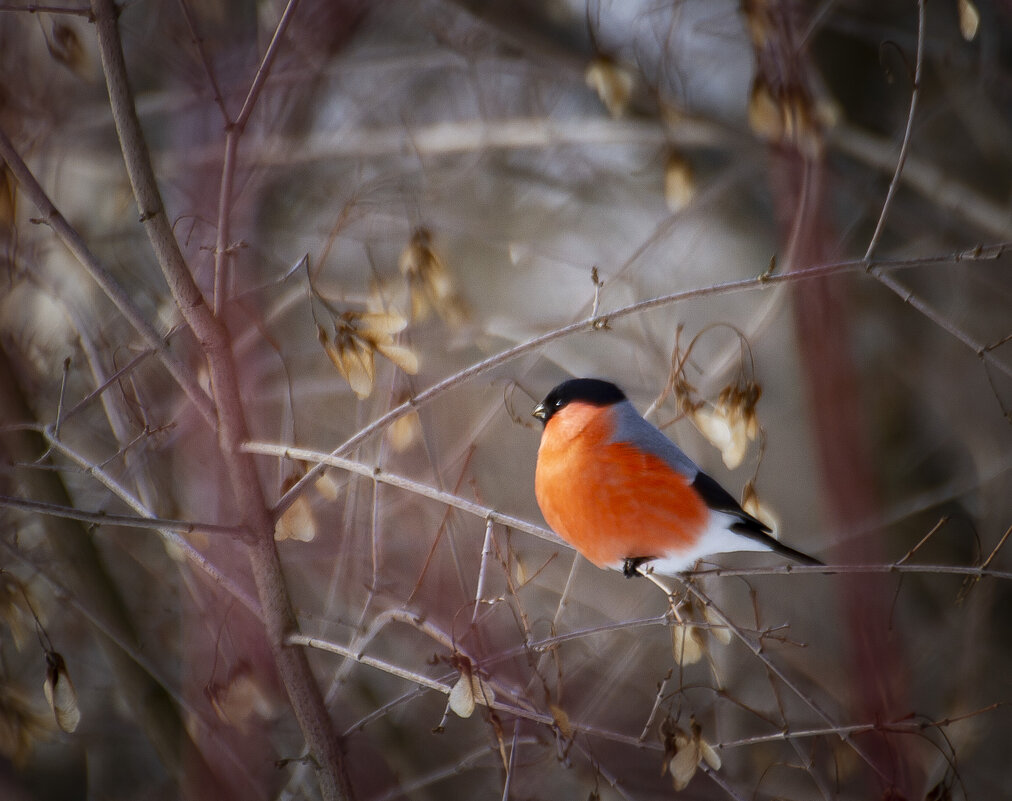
<point>279,618</point>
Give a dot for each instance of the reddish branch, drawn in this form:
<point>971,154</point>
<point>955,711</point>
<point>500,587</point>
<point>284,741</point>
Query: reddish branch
<point>324,745</point>
<point>877,665</point>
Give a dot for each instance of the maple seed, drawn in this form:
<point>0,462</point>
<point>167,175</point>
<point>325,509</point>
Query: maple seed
<point>732,423</point>
<point>613,84</point>
<point>686,643</point>
<point>429,281</point>
<point>969,19</point>
<point>684,751</point>
<point>60,693</point>
<point>358,336</point>
<point>468,691</point>
<point>679,183</point>
<point>297,523</point>
<point>462,697</point>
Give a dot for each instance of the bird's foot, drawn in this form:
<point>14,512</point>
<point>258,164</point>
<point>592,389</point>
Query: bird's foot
<point>631,565</point>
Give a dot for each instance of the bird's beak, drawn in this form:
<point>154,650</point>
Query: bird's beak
<point>540,412</point>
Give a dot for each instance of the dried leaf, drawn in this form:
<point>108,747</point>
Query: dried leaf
<point>758,20</point>
<point>8,197</point>
<point>242,700</point>
<point>204,378</point>
<point>683,752</point>
<point>561,720</point>
<point>379,323</point>
<point>679,183</point>
<point>686,644</point>
<point>60,693</point>
<point>969,19</point>
<point>21,727</point>
<point>468,691</point>
<point>404,432</point>
<point>765,116</point>
<point>297,522</point>
<point>333,354</point>
<point>13,609</point>
<point>612,82</point>
<point>727,426</point>
<point>714,427</point>
<point>326,486</point>
<point>357,335</point>
<point>520,572</point>
<point>404,358</point>
<point>718,629</point>
<point>483,692</point>
<point>682,765</point>
<point>353,358</point>
<point>65,46</point>
<point>728,434</point>
<point>760,511</point>
<point>429,281</point>
<point>462,697</point>
<point>709,754</point>
<point>360,369</point>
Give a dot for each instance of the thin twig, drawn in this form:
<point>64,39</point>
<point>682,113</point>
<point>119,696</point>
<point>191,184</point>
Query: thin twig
<point>108,382</point>
<point>592,323</point>
<point>266,63</point>
<point>394,480</point>
<point>907,133</point>
<point>198,42</point>
<point>981,349</point>
<point>36,8</point>
<point>109,519</point>
<point>513,760</point>
<point>486,552</point>
<point>899,726</point>
<point>719,780</point>
<point>113,289</point>
<point>233,133</point>
<point>292,664</point>
<point>994,552</point>
<point>519,524</point>
<point>771,570</point>
<point>935,528</point>
<point>755,647</point>
<point>195,716</point>
<point>178,542</point>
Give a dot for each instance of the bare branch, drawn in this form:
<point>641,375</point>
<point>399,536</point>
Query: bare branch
<point>109,519</point>
<point>115,292</point>
<point>279,618</point>
<point>907,134</point>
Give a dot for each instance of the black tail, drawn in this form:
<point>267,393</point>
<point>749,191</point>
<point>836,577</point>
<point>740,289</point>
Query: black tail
<point>748,529</point>
<point>719,499</point>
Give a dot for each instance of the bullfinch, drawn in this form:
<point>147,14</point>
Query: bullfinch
<point>625,496</point>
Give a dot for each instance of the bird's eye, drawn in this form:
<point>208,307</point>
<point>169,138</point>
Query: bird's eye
<point>557,403</point>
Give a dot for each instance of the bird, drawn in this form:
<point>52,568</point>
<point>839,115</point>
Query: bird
<point>613,486</point>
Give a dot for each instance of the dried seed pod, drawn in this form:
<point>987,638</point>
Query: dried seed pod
<point>612,82</point>
<point>60,693</point>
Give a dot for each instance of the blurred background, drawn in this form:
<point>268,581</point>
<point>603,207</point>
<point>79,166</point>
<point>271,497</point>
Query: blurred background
<point>463,178</point>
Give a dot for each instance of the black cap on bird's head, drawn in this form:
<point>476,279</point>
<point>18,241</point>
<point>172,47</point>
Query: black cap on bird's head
<point>584,390</point>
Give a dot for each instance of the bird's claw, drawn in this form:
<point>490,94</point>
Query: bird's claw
<point>631,565</point>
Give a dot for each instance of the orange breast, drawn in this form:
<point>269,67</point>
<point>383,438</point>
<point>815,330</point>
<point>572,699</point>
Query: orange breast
<point>611,501</point>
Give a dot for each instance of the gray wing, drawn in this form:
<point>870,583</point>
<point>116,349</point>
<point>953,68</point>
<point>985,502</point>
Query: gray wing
<point>631,427</point>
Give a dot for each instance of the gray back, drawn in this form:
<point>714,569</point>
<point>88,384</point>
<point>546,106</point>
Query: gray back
<point>631,427</point>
